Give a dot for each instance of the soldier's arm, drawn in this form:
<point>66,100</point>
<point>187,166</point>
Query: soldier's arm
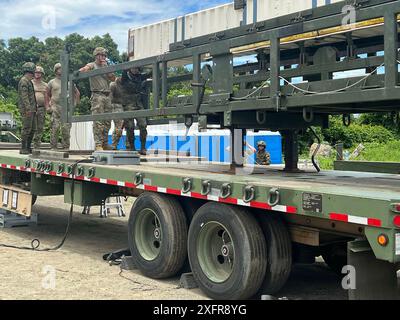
<point>77,95</point>
<point>111,76</point>
<point>24,94</point>
<point>46,98</point>
<point>87,68</point>
<point>251,148</point>
<point>268,159</point>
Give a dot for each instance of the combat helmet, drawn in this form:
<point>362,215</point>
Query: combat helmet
<point>40,69</point>
<point>56,67</point>
<point>261,144</point>
<point>28,67</point>
<point>99,50</point>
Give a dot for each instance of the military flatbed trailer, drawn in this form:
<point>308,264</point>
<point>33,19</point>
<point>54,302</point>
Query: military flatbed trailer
<point>240,234</point>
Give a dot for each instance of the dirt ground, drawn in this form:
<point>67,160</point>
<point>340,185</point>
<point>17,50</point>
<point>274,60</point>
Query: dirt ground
<point>80,272</point>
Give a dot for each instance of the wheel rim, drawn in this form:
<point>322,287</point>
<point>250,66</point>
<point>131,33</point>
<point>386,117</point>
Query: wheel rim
<point>215,252</point>
<point>148,234</point>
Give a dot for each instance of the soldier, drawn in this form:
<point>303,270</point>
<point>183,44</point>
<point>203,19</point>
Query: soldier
<point>100,100</point>
<point>262,157</point>
<point>117,108</point>
<point>54,92</point>
<point>127,92</point>
<point>42,100</point>
<point>27,107</point>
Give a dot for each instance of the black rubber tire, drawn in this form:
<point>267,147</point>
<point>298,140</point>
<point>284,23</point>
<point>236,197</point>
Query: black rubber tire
<point>250,251</point>
<point>189,206</point>
<point>173,249</point>
<point>279,253</point>
<point>335,256</point>
<point>34,198</point>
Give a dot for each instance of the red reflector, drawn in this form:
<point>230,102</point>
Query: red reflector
<point>396,221</point>
<point>397,207</point>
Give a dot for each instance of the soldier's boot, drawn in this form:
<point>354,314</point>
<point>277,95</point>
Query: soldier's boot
<point>143,138</point>
<point>116,138</point>
<point>114,145</point>
<point>24,149</point>
<point>105,145</point>
<point>36,143</point>
<point>29,144</point>
<point>130,140</point>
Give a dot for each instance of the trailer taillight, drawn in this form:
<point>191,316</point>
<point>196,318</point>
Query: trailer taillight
<point>396,221</point>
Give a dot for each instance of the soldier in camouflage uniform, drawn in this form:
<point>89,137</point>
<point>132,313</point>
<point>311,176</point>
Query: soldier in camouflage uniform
<point>100,100</point>
<point>27,107</point>
<point>117,108</point>
<point>262,156</point>
<point>54,92</point>
<point>42,100</point>
<point>127,92</point>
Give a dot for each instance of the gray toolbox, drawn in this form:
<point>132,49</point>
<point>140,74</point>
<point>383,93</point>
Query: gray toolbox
<point>117,157</point>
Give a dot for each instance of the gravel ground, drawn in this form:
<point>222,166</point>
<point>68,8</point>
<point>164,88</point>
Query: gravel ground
<point>80,272</point>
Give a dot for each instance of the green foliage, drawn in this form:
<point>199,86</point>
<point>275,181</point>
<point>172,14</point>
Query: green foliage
<point>350,136</point>
<point>388,120</point>
<point>46,54</point>
<point>355,133</point>
<point>389,151</point>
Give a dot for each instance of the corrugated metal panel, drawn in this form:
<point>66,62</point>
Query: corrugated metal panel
<point>155,39</point>
<point>212,20</point>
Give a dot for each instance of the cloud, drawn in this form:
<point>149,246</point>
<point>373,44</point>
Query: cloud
<point>48,18</point>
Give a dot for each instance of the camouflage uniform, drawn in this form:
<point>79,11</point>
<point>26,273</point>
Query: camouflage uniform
<point>263,158</point>
<point>40,93</point>
<point>27,107</point>
<point>119,124</point>
<point>100,101</point>
<point>56,113</point>
<point>127,91</point>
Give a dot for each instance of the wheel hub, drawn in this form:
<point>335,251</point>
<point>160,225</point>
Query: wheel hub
<point>225,250</point>
<point>157,233</point>
<point>216,252</point>
<point>148,234</point>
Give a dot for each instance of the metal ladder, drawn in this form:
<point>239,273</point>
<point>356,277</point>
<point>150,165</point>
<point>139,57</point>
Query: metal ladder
<point>107,205</point>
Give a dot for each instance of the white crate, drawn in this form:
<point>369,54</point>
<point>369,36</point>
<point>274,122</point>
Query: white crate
<point>154,39</point>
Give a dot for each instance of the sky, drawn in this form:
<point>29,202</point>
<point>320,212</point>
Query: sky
<point>49,18</point>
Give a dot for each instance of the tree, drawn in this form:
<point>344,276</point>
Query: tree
<point>46,54</point>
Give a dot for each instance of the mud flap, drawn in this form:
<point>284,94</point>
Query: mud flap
<point>374,279</point>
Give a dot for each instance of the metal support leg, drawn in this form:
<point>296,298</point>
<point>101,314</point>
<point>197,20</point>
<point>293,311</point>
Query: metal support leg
<point>291,150</point>
<point>237,149</point>
<point>391,45</point>
<point>103,209</point>
<point>374,279</point>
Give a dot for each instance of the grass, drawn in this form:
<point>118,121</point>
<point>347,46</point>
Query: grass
<point>389,152</point>
<point>384,152</point>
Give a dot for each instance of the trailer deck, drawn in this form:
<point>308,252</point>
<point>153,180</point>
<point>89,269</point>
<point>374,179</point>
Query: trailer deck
<point>374,192</point>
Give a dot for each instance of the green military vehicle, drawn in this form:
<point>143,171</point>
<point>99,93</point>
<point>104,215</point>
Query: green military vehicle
<point>243,227</point>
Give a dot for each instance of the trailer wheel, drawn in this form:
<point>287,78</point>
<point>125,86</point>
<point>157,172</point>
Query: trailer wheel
<point>279,254</point>
<point>335,256</point>
<point>34,198</point>
<point>227,251</point>
<point>157,235</point>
